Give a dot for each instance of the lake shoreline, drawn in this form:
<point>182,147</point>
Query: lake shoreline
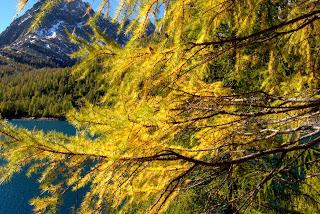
<point>37,118</point>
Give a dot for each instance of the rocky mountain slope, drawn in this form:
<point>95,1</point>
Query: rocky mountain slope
<point>49,45</point>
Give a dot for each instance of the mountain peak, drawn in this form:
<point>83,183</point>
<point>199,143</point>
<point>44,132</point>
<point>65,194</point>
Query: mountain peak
<point>49,45</point>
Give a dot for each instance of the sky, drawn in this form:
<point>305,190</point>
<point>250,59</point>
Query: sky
<point>8,10</point>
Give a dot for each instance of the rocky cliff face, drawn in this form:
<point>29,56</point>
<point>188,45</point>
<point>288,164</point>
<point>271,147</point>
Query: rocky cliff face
<point>49,44</point>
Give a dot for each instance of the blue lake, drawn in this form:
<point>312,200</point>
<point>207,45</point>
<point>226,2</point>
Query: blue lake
<point>16,194</point>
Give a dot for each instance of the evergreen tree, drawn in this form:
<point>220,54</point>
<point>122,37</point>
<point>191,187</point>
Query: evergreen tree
<point>46,90</point>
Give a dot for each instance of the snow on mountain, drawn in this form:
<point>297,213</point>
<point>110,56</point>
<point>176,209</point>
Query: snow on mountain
<point>49,45</point>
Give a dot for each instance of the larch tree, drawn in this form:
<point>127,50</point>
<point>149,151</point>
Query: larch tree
<point>216,111</point>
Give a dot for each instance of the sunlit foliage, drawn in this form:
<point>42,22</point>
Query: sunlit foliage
<point>218,107</point>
